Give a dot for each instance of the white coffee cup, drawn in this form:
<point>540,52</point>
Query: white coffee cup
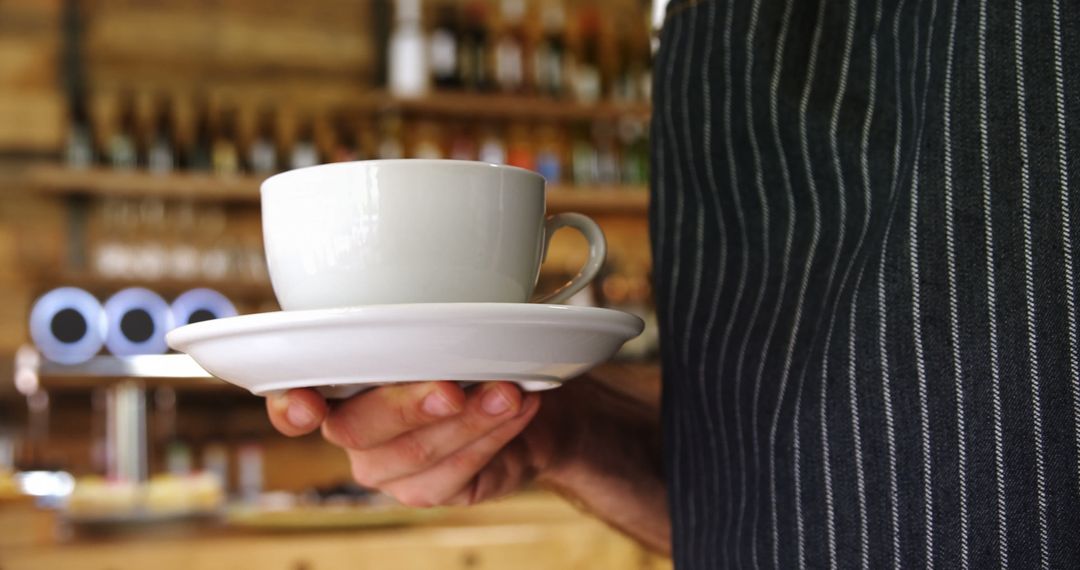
<point>413,231</point>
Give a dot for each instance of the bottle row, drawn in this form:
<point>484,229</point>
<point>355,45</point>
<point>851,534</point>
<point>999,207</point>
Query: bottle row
<point>163,134</point>
<point>70,326</point>
<point>518,46</point>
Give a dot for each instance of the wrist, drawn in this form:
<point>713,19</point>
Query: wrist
<point>586,434</point>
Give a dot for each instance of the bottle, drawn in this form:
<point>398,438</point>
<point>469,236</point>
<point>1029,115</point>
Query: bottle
<point>635,152</point>
<point>390,141</point>
<point>427,144</point>
<point>346,148</point>
<point>492,147</point>
<point>588,83</point>
<point>249,471</point>
<point>632,63</point>
<point>304,152</point>
<point>520,150</point>
<point>549,155</point>
<point>199,153</point>
<point>443,49</point>
<point>550,55</point>
<point>225,157</point>
<point>510,48</point>
<point>122,151</point>
<point>262,155</point>
<point>215,461</point>
<point>462,144</point>
<point>161,158</point>
<point>586,169</point>
<point>408,61</point>
<point>473,51</point>
<point>367,139</point>
<point>607,154</point>
<point>325,137</point>
<point>79,150</point>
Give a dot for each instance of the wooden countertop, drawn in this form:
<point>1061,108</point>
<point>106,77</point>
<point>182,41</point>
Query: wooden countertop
<point>531,530</point>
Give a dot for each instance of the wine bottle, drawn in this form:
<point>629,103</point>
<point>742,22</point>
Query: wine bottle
<point>199,151</point>
<point>510,48</point>
<point>262,155</point>
<point>473,53</point>
<point>304,152</point>
<point>588,82</point>
<point>408,61</point>
<point>122,151</point>
<point>161,158</point>
<point>549,59</point>
<point>443,49</point>
<point>225,156</point>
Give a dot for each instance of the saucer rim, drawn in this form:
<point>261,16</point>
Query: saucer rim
<point>600,318</point>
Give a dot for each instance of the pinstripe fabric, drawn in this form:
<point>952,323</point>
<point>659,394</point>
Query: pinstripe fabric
<point>863,241</point>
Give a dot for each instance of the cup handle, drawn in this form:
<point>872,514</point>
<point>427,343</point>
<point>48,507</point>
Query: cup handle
<point>597,253</point>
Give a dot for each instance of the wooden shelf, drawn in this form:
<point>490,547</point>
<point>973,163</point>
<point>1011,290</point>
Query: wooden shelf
<point>237,290</point>
<point>102,182</point>
<point>471,106</point>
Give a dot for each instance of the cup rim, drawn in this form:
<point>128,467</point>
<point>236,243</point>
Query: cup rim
<point>275,179</point>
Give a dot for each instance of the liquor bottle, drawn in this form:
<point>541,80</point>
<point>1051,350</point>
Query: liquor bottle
<point>587,80</point>
<point>635,152</point>
<point>408,59</point>
<point>390,140</point>
<point>473,51</point>
<point>607,154</point>
<point>346,147</point>
<point>225,156</point>
<point>443,48</point>
<point>262,155</point>
<point>161,158</point>
<point>79,150</point>
<point>427,143</point>
<point>586,169</point>
<point>199,151</point>
<point>462,144</point>
<point>519,152</point>
<point>492,147</point>
<point>325,137</point>
<point>510,48</point>
<point>122,151</point>
<point>304,152</point>
<point>249,471</point>
<point>367,139</point>
<point>549,155</point>
<point>550,55</point>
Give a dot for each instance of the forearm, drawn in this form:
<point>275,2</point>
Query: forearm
<point>607,460</point>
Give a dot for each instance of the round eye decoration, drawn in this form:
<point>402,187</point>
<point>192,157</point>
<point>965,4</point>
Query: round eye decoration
<point>199,305</point>
<point>68,325</point>
<point>138,320</point>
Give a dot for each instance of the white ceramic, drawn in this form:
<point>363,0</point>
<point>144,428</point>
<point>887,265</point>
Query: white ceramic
<point>377,232</point>
<point>343,351</point>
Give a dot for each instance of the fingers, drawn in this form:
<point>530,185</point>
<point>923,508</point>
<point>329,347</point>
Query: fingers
<point>489,407</point>
<point>296,412</point>
<point>451,478</point>
<point>378,416</point>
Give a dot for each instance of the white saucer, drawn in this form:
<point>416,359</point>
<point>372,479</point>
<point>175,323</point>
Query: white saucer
<point>343,351</point>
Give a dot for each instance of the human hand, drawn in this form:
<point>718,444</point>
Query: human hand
<point>425,444</point>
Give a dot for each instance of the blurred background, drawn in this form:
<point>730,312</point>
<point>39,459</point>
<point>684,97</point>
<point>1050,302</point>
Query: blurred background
<point>133,138</point>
